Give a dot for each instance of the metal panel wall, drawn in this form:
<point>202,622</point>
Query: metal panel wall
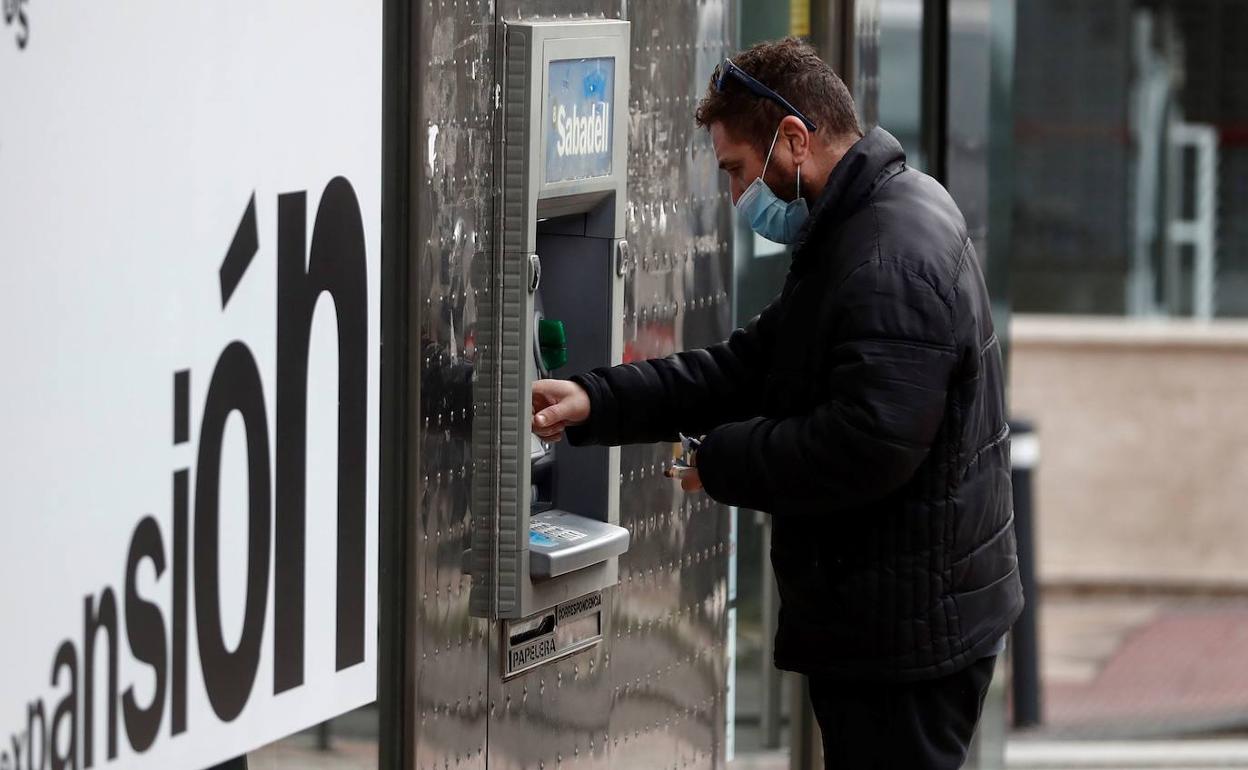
<point>652,695</point>
<point>452,196</point>
<point>669,655</point>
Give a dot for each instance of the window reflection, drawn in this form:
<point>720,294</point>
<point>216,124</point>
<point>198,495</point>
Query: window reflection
<point>1130,153</point>
<point>901,81</point>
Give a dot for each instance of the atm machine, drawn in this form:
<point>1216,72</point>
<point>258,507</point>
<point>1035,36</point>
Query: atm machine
<point>546,539</point>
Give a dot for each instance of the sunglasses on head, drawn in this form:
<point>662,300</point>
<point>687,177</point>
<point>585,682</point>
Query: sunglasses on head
<point>730,70</point>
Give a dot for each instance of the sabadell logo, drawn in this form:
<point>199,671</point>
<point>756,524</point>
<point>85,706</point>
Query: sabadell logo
<point>583,134</point>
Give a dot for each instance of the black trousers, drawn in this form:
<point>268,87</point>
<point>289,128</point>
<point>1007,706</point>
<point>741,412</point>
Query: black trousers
<point>911,726</point>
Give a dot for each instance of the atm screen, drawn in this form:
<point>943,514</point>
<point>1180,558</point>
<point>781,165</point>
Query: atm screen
<point>580,98</point>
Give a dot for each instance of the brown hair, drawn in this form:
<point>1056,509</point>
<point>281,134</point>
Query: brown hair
<point>793,69</point>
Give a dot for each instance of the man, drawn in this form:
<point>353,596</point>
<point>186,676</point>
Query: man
<point>863,409</point>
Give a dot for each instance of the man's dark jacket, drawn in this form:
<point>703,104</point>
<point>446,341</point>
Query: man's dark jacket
<point>863,409</point>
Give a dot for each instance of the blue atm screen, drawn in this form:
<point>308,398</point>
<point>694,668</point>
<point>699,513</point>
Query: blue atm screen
<point>580,98</point>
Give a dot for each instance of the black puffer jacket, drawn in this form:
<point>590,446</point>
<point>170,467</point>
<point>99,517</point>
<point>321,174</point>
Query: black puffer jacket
<point>864,410</point>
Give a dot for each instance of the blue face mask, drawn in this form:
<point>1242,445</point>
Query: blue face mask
<point>769,216</point>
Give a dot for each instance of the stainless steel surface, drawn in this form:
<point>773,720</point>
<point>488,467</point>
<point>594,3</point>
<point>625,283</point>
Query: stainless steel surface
<point>453,227</point>
<point>652,693</point>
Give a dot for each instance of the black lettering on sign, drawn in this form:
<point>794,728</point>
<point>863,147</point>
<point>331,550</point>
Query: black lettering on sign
<point>230,674</point>
<point>531,652</point>
<point>243,248</point>
<point>333,264</point>
<point>36,710</point>
<point>181,504</point>
<point>15,10</point>
<point>181,407</point>
<point>66,710</point>
<point>576,607</point>
<point>105,617</point>
<point>337,266</point>
<point>145,628</point>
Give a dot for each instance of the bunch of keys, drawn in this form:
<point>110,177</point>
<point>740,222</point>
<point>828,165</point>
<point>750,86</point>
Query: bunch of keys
<point>684,464</point>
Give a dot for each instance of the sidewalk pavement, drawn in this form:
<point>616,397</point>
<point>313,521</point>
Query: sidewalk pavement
<point>1082,755</point>
<point>1126,755</point>
<point>1136,667</point>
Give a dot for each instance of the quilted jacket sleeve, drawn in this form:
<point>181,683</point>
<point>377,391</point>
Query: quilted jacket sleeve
<point>891,358</point>
<point>690,392</point>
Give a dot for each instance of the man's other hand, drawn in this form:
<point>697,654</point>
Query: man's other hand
<point>558,404</point>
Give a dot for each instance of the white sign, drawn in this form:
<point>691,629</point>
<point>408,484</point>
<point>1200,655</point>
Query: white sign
<point>189,319</point>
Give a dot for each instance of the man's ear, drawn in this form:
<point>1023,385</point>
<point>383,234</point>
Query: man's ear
<point>797,137</point>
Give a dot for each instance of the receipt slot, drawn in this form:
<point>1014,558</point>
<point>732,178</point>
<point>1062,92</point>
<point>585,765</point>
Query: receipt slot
<point>546,532</point>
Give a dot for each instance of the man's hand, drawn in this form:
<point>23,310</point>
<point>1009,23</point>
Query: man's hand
<point>688,474</point>
<point>558,404</point>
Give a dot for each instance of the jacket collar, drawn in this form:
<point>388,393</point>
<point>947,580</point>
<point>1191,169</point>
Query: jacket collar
<point>871,161</point>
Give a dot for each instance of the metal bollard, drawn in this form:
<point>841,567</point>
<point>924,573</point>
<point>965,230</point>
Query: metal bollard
<point>1025,653</point>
